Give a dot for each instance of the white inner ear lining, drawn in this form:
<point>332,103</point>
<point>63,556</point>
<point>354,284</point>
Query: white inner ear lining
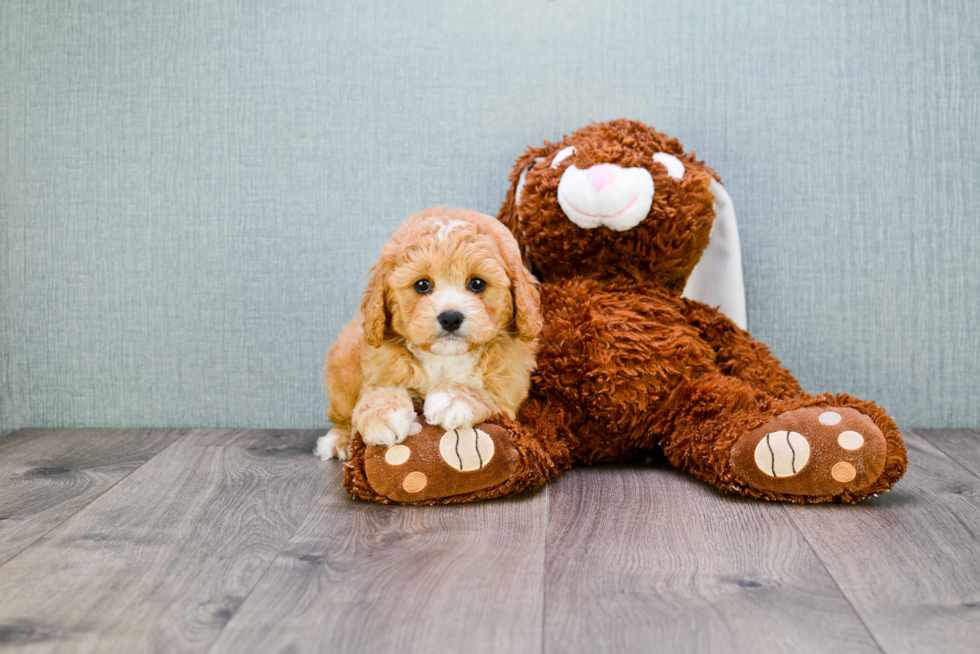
<point>563,154</point>
<point>675,167</point>
<point>522,179</point>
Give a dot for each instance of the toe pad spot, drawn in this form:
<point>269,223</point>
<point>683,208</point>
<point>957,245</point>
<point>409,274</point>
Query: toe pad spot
<point>850,440</point>
<point>397,455</point>
<point>843,472</point>
<point>415,482</point>
<point>829,418</point>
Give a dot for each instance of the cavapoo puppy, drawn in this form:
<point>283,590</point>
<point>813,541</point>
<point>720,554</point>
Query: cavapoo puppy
<point>448,322</point>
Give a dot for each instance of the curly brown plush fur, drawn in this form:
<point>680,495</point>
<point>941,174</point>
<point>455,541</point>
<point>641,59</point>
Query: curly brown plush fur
<point>633,365</point>
<point>628,367</point>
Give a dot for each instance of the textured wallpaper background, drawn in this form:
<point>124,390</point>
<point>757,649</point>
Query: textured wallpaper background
<point>191,193</point>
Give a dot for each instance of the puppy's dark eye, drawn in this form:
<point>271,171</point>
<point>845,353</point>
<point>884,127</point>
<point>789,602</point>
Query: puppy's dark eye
<point>477,285</point>
<point>423,286</point>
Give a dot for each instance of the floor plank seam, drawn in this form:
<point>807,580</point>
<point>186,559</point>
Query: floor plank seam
<point>830,574</point>
<point>96,498</point>
<point>944,452</point>
<point>275,558</point>
<point>544,568</point>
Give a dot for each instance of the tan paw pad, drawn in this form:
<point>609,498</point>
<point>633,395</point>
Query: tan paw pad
<point>782,454</point>
<point>466,449</point>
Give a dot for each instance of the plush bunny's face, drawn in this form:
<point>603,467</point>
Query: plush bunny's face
<point>614,199</point>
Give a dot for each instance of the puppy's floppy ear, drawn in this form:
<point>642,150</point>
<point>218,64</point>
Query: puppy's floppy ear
<point>373,306</point>
<point>527,300</point>
<point>523,286</point>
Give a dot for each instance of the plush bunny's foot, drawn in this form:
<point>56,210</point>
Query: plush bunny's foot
<point>806,449</point>
<point>436,463</point>
<point>811,451</point>
<point>439,466</point>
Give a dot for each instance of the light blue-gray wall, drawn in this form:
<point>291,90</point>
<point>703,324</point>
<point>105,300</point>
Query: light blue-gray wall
<point>191,193</point>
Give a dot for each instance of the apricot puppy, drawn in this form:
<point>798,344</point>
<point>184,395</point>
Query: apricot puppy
<point>449,321</point>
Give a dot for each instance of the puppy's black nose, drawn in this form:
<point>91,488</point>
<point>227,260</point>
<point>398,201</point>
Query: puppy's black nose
<point>450,320</point>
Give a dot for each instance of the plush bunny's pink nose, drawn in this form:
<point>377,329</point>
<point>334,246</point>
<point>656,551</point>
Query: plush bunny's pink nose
<point>601,175</point>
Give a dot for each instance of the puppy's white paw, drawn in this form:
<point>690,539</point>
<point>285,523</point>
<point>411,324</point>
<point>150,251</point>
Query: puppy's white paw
<point>388,428</point>
<point>335,444</point>
<point>449,412</point>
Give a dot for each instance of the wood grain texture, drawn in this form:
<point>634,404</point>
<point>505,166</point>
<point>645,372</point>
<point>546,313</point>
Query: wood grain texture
<point>164,559</point>
<point>230,541</point>
<point>46,476</point>
<point>361,577</point>
<point>908,561</point>
<point>961,445</point>
<point>646,558</point>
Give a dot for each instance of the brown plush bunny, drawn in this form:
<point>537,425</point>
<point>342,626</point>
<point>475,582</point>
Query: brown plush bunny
<point>614,218</point>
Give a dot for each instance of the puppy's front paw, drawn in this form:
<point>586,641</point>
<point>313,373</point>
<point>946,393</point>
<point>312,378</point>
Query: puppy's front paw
<point>387,427</point>
<point>334,445</point>
<point>448,410</point>
<point>384,416</point>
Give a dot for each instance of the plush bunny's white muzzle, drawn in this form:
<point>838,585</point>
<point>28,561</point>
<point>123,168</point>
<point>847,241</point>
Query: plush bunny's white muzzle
<point>606,196</point>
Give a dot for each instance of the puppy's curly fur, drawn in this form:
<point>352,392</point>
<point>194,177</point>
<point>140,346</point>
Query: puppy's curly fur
<point>449,321</point>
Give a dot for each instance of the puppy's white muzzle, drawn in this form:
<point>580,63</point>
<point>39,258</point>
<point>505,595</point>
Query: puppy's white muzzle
<point>451,300</point>
<point>606,196</point>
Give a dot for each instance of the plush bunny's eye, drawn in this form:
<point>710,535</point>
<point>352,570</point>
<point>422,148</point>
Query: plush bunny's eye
<point>563,154</point>
<point>675,167</point>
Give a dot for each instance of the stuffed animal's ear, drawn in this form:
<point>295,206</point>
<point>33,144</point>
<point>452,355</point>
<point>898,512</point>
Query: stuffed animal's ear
<point>717,279</point>
<point>373,306</point>
<point>509,215</point>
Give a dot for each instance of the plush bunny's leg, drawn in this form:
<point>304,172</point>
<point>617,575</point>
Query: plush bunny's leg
<point>828,448</point>
<point>739,355</point>
<point>497,458</point>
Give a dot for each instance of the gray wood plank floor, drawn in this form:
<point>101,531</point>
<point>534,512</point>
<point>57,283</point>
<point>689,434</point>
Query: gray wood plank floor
<point>46,477</point>
<point>161,561</point>
<point>359,577</point>
<point>641,555</point>
<point>909,561</point>
<point>959,445</point>
<point>242,541</point>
